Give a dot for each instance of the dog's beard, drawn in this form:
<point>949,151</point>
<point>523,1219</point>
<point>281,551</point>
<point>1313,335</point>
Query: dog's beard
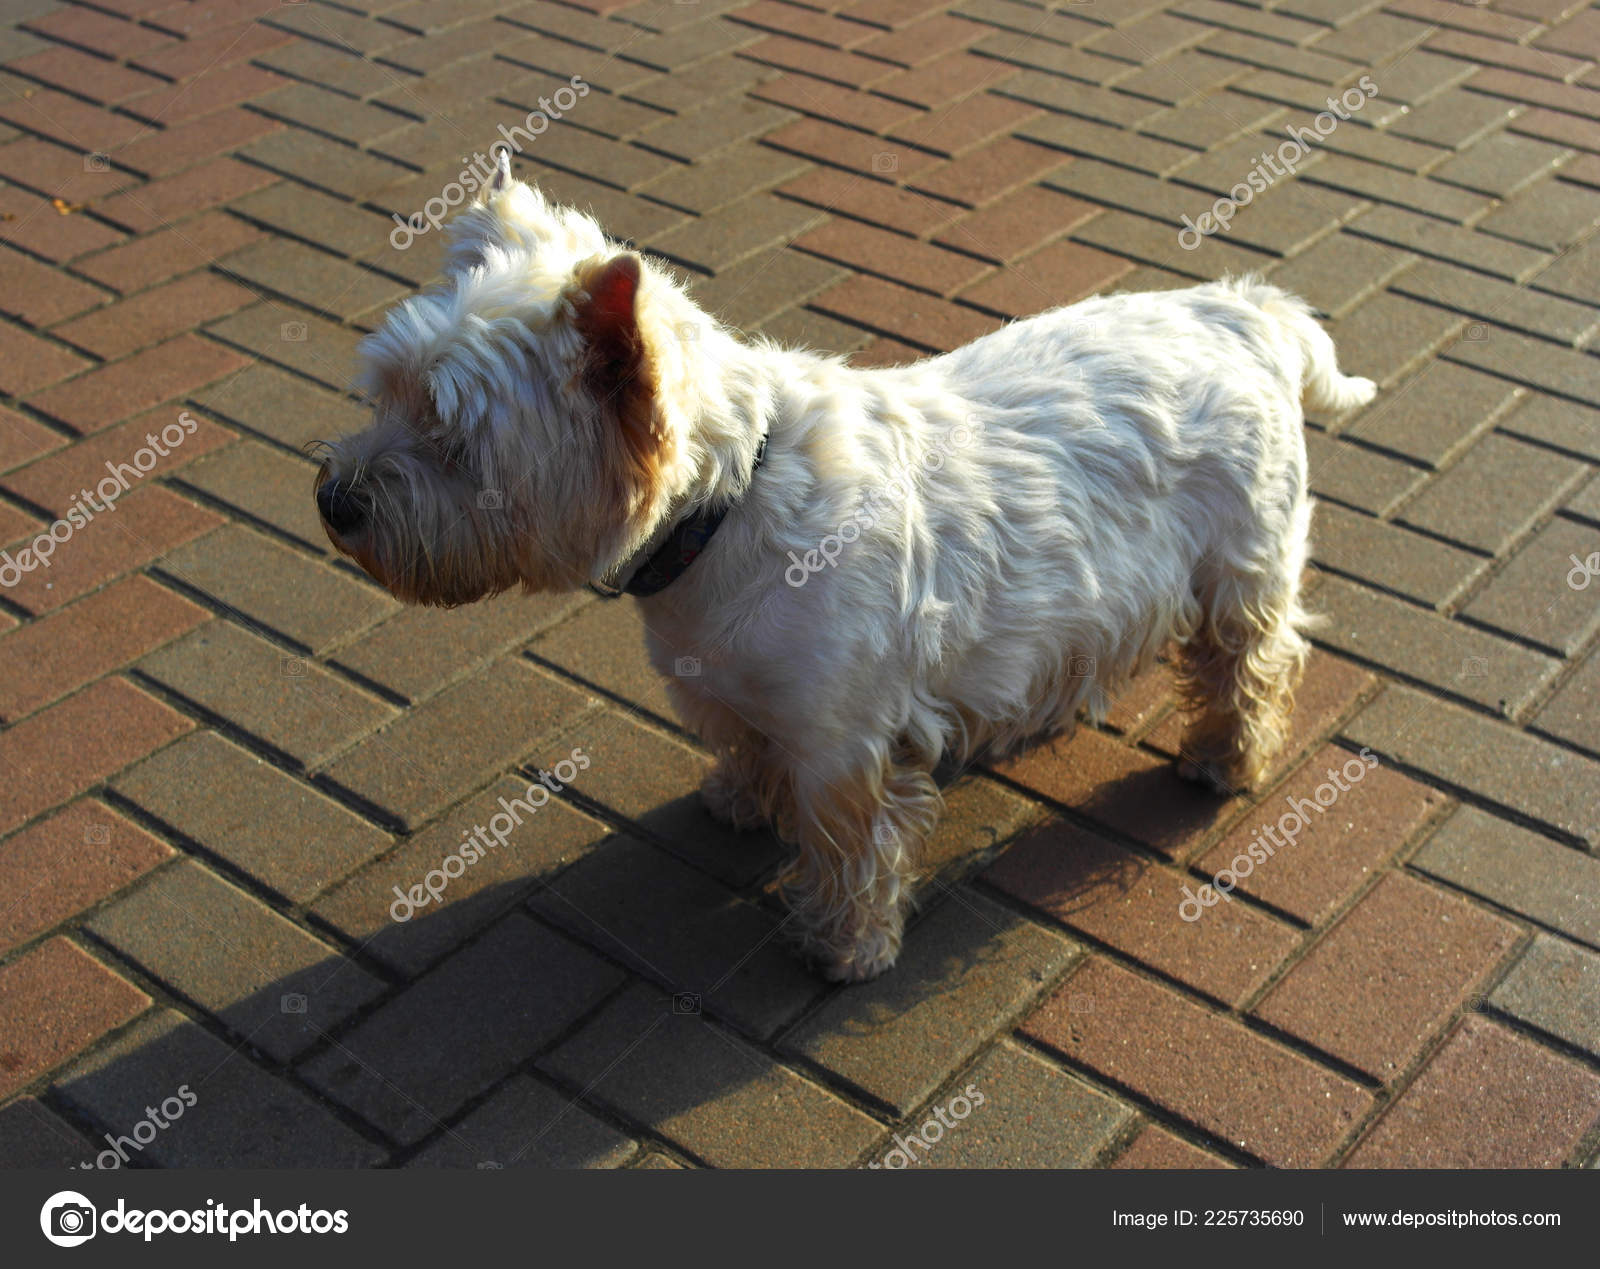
<point>433,539</point>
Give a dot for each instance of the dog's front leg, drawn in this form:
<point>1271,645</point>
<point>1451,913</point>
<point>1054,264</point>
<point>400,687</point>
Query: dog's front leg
<point>741,790</point>
<point>859,834</point>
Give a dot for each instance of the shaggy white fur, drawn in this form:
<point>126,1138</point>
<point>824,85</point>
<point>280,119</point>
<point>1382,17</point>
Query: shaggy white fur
<point>932,562</point>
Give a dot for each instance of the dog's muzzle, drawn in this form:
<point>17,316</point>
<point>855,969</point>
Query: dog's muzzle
<point>344,508</point>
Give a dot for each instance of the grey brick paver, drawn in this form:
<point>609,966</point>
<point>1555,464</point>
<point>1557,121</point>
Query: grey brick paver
<point>1551,216</point>
<point>242,1117</point>
<point>315,108</point>
<point>1535,362</point>
<point>375,911</point>
<point>499,1000</point>
<point>266,485</point>
<point>282,406</point>
<point>1340,271</point>
<point>721,1099</point>
<point>1417,567</point>
<point>1361,477</point>
<point>1433,415</point>
<point>323,163</point>
<point>292,839</point>
<point>264,978</point>
<point>1389,334</point>
<point>1563,424</point>
<point>1555,987</point>
<point>416,651</point>
<point>527,1124</point>
<point>968,967</point>
<point>1510,866</point>
<point>1449,655</point>
<point>33,1136</point>
<point>1497,489</point>
<point>653,779</point>
<point>277,587</point>
<point>279,698</point>
<point>1555,786</point>
<point>1033,1116</point>
<point>1522,602</point>
<point>1573,713</point>
<point>638,904</point>
<point>295,338</point>
<point>435,752</point>
<point>323,283</point>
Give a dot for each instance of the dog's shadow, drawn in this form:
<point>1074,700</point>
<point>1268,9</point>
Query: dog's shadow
<point>642,1001</point>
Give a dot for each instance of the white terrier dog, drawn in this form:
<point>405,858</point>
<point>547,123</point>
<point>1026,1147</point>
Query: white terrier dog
<point>928,562</point>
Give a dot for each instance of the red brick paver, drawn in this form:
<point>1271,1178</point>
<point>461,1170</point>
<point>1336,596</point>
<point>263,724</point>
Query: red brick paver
<point>1249,1092</point>
<point>1489,1099</point>
<point>54,1000</point>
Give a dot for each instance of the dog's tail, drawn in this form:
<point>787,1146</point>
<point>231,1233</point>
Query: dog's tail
<point>1323,387</point>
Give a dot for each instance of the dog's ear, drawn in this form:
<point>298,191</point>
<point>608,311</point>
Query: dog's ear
<point>607,317</point>
<point>502,177</point>
<point>618,369</point>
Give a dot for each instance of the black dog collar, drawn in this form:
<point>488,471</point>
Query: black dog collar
<point>683,545</point>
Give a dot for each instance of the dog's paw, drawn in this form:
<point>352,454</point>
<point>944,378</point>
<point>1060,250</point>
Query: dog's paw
<point>872,955</point>
<point>729,802</point>
<point>856,969</point>
<point>1210,774</point>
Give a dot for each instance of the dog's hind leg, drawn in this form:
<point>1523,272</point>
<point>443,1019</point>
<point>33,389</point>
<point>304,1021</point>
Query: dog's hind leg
<point>859,835</point>
<point>1237,672</point>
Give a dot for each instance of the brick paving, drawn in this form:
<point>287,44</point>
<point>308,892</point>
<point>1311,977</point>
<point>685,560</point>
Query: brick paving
<point>224,753</point>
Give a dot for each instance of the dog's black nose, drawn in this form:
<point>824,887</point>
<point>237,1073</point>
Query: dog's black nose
<point>342,507</point>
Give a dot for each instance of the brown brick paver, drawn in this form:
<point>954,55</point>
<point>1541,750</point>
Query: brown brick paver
<point>1110,894</point>
<point>77,743</point>
<point>100,633</point>
<point>1158,1148</point>
<point>68,861</point>
<point>56,1000</point>
<point>1489,1099</point>
<point>222,748</point>
<point>137,530</point>
<point>57,481</point>
<point>1386,976</point>
<point>1244,1088</point>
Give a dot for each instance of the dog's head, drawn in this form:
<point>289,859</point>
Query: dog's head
<point>524,431</point>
